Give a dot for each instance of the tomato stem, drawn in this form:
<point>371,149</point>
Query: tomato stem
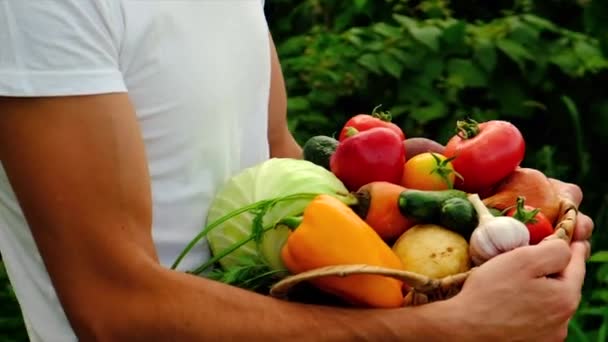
<point>291,222</point>
<point>523,215</point>
<point>467,129</point>
<point>443,170</point>
<point>384,116</point>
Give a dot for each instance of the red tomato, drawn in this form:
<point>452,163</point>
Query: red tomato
<point>363,122</point>
<point>373,155</point>
<point>485,153</point>
<point>538,224</point>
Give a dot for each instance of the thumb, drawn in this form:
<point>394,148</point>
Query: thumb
<point>546,258</point>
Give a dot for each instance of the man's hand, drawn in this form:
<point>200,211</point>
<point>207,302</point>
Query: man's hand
<point>528,294</point>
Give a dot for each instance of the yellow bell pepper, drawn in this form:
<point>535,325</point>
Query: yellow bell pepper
<point>331,233</point>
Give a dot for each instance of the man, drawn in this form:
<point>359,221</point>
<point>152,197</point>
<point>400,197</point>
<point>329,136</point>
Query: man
<point>120,118</point>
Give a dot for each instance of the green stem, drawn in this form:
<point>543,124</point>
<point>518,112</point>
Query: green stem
<point>227,251</point>
<point>384,116</point>
<point>467,129</point>
<point>211,226</point>
<point>578,135</point>
<point>523,215</point>
<point>263,275</point>
<point>292,222</point>
<point>444,170</point>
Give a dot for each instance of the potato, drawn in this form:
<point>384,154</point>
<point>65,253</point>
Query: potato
<point>415,146</point>
<point>433,251</point>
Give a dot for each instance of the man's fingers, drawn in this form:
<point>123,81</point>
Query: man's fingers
<point>568,190</point>
<point>547,258</point>
<point>584,227</point>
<point>574,273</point>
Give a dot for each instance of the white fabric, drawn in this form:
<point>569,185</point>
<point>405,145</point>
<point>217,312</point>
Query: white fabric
<point>198,73</point>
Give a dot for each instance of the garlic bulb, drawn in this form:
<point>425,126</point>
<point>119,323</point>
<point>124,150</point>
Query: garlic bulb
<point>494,235</point>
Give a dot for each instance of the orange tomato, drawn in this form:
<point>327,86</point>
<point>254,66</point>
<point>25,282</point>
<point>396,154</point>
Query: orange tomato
<point>429,171</point>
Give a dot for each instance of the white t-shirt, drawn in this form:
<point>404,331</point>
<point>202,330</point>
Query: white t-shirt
<point>198,73</point>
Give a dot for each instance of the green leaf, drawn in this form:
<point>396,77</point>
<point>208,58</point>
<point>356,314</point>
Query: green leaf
<point>485,54</point>
<point>298,103</point>
<point>454,35</point>
<point>353,39</point>
<point>567,61</point>
<point>591,311</point>
<point>417,90</point>
<point>427,35</point>
<point>401,55</point>
<point>433,68</point>
<point>390,64</point>
<point>600,294</point>
<point>293,46</point>
<point>524,33</point>
<point>602,274</point>
<point>601,256</point>
<point>511,97</point>
<point>576,332</point>
<point>603,332</point>
<point>589,54</point>
<point>539,22</point>
<point>406,22</point>
<point>425,114</point>
<point>517,52</point>
<point>387,30</point>
<point>463,70</point>
<point>370,62</point>
<point>360,4</point>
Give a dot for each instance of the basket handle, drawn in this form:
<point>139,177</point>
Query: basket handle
<point>567,222</point>
<point>417,282</point>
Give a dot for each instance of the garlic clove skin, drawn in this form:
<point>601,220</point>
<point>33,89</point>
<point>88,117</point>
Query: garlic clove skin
<point>511,237</point>
<point>481,247</point>
<point>496,237</point>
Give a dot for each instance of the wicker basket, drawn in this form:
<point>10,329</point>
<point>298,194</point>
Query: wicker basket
<point>422,289</point>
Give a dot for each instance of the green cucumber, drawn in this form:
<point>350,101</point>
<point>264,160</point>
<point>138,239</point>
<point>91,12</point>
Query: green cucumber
<point>425,205</point>
<point>448,208</point>
<point>459,215</point>
<point>319,149</point>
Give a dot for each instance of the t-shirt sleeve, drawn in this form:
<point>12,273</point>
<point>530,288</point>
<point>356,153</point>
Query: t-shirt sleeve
<point>59,47</point>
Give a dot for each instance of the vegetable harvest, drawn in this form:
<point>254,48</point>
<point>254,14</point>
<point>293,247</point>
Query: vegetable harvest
<point>403,216</point>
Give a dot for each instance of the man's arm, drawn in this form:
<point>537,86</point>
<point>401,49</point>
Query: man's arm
<point>78,168</point>
<point>282,143</point>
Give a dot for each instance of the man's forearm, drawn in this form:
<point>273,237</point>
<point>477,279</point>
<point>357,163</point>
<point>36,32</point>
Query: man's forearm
<point>181,307</point>
<point>286,148</point>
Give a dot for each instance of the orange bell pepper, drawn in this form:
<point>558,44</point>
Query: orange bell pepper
<point>331,233</point>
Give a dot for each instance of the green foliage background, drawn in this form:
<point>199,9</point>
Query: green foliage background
<point>539,64</point>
